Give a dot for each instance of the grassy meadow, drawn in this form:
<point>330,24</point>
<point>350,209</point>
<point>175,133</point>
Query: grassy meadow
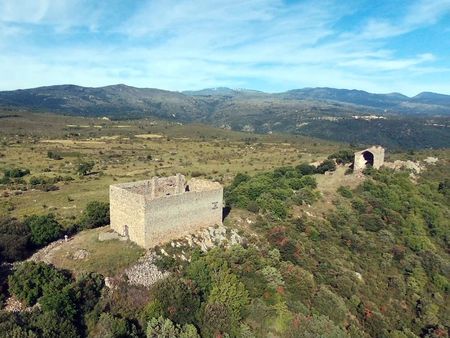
<point>129,151</point>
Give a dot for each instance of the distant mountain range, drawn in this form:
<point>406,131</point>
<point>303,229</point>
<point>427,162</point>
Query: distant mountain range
<point>243,109</point>
<point>122,101</point>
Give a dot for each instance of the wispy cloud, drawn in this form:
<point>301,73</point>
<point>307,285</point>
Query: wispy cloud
<point>419,14</point>
<point>261,44</point>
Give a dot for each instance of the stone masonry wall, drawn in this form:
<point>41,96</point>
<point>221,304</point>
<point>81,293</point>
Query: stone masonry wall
<point>162,209</point>
<point>175,216</point>
<point>127,208</point>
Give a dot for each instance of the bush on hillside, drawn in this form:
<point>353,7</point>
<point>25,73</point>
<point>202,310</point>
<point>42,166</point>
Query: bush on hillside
<point>54,155</point>
<point>14,239</point>
<point>16,172</point>
<point>85,168</point>
<point>96,214</point>
<point>44,229</point>
<point>305,169</point>
<point>327,165</point>
<point>33,280</point>
<point>343,156</point>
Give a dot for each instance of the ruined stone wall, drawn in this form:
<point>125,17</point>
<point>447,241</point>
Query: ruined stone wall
<point>161,209</point>
<point>127,209</point>
<point>172,217</point>
<point>359,162</point>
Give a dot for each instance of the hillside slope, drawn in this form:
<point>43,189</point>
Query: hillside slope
<point>337,114</point>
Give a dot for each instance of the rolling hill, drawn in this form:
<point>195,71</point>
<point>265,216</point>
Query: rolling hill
<point>330,113</point>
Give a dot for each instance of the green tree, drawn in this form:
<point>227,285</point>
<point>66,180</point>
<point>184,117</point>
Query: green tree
<point>32,280</point>
<point>327,165</point>
<point>305,169</point>
<point>164,328</point>
<point>44,229</point>
<point>63,303</point>
<point>227,289</point>
<point>110,326</point>
<point>84,168</point>
<point>179,300</point>
<point>96,214</point>
<point>50,324</point>
<point>315,326</point>
<point>14,239</point>
<point>329,304</point>
<point>342,156</point>
<point>217,320</point>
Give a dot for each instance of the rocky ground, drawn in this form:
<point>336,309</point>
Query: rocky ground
<point>146,273</point>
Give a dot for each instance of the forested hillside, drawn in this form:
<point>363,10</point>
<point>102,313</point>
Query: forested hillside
<point>392,120</point>
<point>376,265</point>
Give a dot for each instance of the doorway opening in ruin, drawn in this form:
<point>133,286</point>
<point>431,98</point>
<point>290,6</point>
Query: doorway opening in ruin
<point>187,188</point>
<point>368,157</point>
<point>225,212</point>
<point>125,231</point>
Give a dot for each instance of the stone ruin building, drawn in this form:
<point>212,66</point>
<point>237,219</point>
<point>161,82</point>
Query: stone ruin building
<point>154,211</point>
<point>373,156</point>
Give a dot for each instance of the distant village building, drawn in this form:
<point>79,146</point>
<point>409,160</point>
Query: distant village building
<point>154,211</point>
<point>373,156</point>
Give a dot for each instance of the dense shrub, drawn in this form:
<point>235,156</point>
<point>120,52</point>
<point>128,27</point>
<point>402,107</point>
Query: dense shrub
<point>33,280</point>
<point>110,326</point>
<point>228,290</point>
<point>313,326</point>
<point>84,168</point>
<point>217,320</point>
<point>87,291</point>
<point>306,196</point>
<point>305,169</point>
<point>345,192</point>
<point>299,282</point>
<point>270,192</point>
<point>96,214</point>
<point>371,222</point>
<point>54,155</point>
<point>62,302</point>
<point>343,156</point>
<point>44,229</point>
<point>179,300</point>
<point>327,165</point>
<point>51,324</point>
<point>329,304</point>
<point>163,327</point>
<point>14,239</point>
<point>165,263</point>
<point>15,172</point>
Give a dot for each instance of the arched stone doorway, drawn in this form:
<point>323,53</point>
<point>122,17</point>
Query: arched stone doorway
<point>368,158</point>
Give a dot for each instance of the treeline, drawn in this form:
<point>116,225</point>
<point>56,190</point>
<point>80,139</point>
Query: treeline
<point>401,133</point>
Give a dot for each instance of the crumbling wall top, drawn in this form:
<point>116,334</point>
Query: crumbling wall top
<point>158,187</point>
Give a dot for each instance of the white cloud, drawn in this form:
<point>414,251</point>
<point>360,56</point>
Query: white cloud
<point>421,13</point>
<point>177,45</point>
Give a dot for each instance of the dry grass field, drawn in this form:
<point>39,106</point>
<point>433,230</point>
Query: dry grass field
<point>129,151</point>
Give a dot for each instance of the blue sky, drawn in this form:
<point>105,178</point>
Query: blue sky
<point>271,45</point>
